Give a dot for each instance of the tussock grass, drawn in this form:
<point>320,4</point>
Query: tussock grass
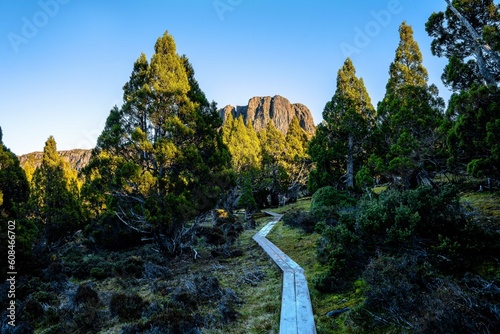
<point>258,281</point>
<point>301,204</point>
<point>486,202</point>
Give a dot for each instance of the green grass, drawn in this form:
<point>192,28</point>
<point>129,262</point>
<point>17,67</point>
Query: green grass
<point>301,204</point>
<point>379,190</point>
<point>486,202</point>
<point>486,206</point>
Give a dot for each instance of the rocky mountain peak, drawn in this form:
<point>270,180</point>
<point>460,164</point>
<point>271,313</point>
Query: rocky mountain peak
<point>77,158</point>
<point>279,110</point>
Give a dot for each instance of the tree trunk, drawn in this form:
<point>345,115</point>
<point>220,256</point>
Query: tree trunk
<point>350,162</point>
<point>483,69</point>
<point>478,47</point>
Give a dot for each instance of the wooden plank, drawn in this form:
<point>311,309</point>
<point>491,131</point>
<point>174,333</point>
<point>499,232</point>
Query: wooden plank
<point>285,257</point>
<point>271,251</point>
<point>305,316</point>
<point>266,229</point>
<point>296,310</point>
<point>288,320</point>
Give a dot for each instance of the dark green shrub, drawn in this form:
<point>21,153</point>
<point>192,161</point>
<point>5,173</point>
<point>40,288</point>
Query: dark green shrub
<point>330,282</point>
<point>196,291</point>
<point>212,234</point>
<point>111,234</point>
<point>127,306</point>
<point>227,306</point>
<point>413,249</point>
<point>327,201</point>
<point>33,311</point>
<point>175,320</point>
<point>339,247</point>
<point>78,264</point>
<point>406,293</point>
<point>300,219</point>
<point>99,272</point>
<point>45,297</point>
<point>86,320</point>
<point>86,295</point>
<point>396,222</point>
<point>133,266</point>
<point>229,224</point>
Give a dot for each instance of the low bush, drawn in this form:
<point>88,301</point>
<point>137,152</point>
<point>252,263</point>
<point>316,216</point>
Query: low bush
<point>406,295</point>
<point>86,295</point>
<point>327,201</point>
<point>127,306</point>
<point>133,266</point>
<point>111,234</point>
<point>413,249</point>
<point>174,320</point>
<point>300,219</point>
<point>78,264</point>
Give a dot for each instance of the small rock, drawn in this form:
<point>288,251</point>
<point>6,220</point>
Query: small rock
<point>335,313</point>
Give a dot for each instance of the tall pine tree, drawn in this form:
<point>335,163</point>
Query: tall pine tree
<point>474,131</point>
<point>273,182</point>
<point>14,187</point>
<point>54,198</point>
<point>344,136</point>
<point>14,193</point>
<point>297,162</point>
<point>161,153</point>
<point>410,114</point>
<point>467,33</point>
<point>243,144</point>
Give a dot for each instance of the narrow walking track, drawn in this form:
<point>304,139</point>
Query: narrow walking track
<point>296,310</point>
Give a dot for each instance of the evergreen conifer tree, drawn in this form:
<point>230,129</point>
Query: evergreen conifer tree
<point>297,161</point>
<point>161,154</point>
<point>410,113</point>
<point>55,198</point>
<point>474,126</point>
<point>467,33</point>
<point>345,134</point>
<point>14,188</point>
<point>273,172</point>
<point>243,144</point>
<point>14,193</point>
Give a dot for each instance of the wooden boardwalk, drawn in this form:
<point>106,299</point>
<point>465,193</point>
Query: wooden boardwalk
<point>296,310</point>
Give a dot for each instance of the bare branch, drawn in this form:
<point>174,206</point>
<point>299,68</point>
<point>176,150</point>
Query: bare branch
<point>129,225</point>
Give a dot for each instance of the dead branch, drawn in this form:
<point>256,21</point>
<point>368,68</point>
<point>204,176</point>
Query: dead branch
<point>129,225</point>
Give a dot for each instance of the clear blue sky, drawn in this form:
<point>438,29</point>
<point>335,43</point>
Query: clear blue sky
<point>63,63</point>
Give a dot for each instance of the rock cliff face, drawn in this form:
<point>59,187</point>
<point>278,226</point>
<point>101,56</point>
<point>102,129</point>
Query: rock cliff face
<point>262,110</point>
<point>77,158</point>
